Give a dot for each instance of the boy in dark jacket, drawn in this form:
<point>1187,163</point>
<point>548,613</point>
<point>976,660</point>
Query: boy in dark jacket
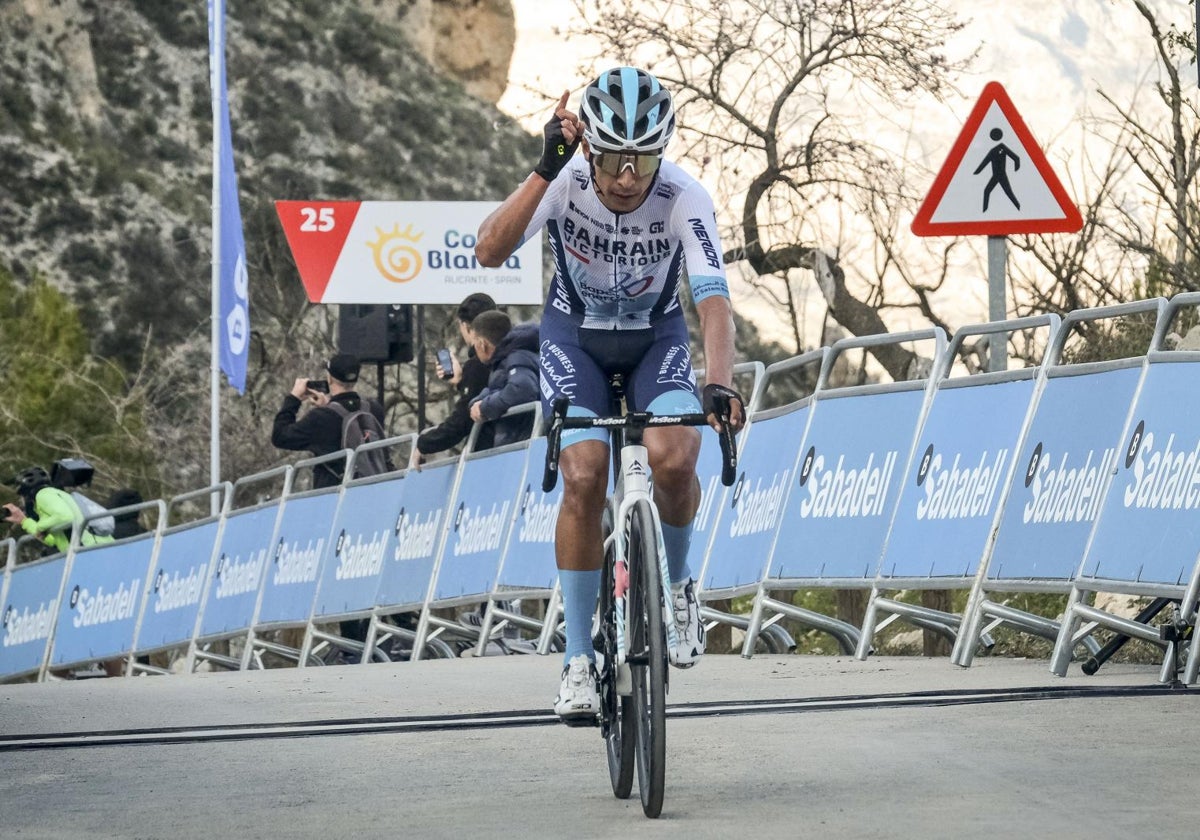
<point>512,353</point>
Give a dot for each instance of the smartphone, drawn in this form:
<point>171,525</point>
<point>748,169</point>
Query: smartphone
<point>447,366</point>
<point>318,385</point>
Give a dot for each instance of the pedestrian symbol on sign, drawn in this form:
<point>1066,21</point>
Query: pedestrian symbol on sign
<point>996,158</point>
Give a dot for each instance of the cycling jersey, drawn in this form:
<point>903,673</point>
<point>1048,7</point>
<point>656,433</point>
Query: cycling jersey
<point>613,304</point>
<point>622,271</point>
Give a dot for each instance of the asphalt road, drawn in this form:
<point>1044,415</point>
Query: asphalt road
<point>791,746</point>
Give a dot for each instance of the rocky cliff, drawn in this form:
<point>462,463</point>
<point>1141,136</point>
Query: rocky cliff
<point>105,166</point>
<point>105,135</point>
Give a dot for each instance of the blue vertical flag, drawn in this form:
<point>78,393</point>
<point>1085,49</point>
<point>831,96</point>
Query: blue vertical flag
<point>234,293</point>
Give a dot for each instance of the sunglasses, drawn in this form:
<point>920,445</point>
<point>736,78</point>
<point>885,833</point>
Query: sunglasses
<point>614,163</point>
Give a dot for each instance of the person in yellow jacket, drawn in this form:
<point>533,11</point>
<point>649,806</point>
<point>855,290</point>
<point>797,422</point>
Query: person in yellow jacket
<point>49,512</point>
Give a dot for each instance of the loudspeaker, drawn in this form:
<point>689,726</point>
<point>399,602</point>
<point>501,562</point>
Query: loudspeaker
<point>71,472</point>
<point>376,333</point>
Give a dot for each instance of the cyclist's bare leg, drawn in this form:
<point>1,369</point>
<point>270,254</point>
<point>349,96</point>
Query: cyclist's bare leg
<point>673,453</point>
<point>583,467</point>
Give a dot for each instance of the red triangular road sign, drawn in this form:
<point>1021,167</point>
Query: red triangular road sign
<point>996,181</point>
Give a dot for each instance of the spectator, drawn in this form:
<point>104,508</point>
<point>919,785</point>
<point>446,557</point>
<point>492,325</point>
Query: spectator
<point>511,354</point>
<point>48,512</point>
<point>469,379</point>
<point>320,430</point>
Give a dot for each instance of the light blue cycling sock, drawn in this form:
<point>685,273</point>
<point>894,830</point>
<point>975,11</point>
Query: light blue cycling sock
<point>580,591</point>
<point>677,540</point>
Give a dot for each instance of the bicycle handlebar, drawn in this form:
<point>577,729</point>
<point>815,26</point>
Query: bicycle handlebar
<point>634,420</point>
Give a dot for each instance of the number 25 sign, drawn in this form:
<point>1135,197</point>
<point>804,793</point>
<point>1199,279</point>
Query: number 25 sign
<point>402,252</point>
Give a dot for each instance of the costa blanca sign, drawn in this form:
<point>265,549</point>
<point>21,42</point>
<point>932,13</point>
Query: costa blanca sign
<point>402,252</point>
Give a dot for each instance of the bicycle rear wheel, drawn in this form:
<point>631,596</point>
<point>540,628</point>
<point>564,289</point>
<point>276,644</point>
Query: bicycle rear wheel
<point>648,655</point>
<point>616,712</point>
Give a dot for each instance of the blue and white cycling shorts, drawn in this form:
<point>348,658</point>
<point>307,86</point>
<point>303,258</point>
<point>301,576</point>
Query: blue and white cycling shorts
<point>577,363</point>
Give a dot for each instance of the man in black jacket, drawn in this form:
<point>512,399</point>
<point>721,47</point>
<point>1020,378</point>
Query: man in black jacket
<point>472,377</point>
<point>320,430</point>
<point>511,353</point>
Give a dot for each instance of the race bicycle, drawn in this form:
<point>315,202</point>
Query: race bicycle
<point>637,619</point>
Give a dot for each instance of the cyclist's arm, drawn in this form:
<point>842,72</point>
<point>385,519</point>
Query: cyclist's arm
<point>509,225</point>
<point>716,326</point>
<point>503,231</point>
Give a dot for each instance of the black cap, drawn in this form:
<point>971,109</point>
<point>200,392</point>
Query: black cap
<point>343,367</point>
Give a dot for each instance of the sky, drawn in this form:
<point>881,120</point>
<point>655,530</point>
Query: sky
<point>1051,57</point>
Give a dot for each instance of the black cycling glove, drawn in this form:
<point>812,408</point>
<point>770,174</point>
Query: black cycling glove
<point>555,150</point>
<point>715,400</point>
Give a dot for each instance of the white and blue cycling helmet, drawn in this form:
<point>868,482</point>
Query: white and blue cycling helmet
<point>627,110</point>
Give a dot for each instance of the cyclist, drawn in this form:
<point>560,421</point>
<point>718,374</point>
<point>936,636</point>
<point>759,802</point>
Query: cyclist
<point>623,225</point>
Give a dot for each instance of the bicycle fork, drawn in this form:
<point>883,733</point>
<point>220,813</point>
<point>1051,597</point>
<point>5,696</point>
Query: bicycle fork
<point>634,487</point>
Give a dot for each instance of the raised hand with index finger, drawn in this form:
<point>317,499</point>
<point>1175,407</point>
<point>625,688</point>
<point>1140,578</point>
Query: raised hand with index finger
<point>561,138</point>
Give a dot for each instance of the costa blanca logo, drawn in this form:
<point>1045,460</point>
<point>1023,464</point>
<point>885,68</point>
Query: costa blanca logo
<point>396,261</point>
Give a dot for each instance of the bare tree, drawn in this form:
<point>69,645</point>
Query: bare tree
<point>787,108</point>
<point>1141,209</point>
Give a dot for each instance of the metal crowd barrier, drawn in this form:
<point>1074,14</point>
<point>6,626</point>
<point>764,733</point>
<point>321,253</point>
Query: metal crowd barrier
<point>1068,477</point>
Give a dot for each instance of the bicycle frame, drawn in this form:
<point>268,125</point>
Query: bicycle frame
<point>632,485</point>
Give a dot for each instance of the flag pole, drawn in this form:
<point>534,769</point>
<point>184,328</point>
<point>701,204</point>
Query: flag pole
<point>216,10</point>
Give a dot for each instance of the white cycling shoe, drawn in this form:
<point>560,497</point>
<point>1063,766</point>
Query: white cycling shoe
<point>688,625</point>
<point>578,700</point>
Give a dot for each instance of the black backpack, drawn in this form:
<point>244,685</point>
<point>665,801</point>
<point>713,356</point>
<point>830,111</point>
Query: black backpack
<point>359,427</point>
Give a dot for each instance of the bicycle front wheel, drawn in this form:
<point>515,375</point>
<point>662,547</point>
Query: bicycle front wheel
<point>616,712</point>
<point>648,656</point>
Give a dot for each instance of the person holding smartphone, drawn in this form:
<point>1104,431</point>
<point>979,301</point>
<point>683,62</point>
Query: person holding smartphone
<point>319,431</point>
<point>469,378</point>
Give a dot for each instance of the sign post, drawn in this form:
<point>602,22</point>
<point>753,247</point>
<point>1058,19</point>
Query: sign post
<point>996,181</point>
